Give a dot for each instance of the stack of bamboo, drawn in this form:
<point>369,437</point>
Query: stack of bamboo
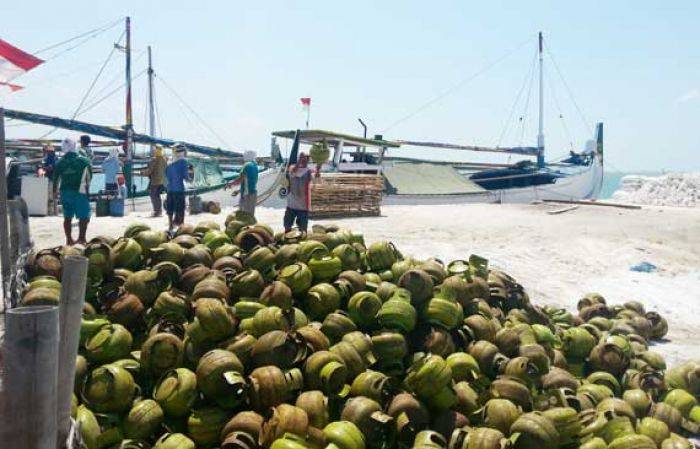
<point>346,195</point>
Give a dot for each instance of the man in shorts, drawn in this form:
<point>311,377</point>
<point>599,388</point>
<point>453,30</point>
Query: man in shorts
<point>72,174</point>
<point>176,173</point>
<point>298,200</point>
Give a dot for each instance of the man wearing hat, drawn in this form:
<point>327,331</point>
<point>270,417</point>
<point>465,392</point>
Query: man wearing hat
<point>73,174</point>
<point>176,173</point>
<point>156,176</point>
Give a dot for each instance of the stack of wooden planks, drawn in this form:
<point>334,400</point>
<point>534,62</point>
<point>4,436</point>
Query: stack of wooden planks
<point>346,195</point>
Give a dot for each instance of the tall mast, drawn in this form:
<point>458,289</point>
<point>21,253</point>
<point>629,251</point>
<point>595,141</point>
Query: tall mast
<point>540,134</point>
<point>151,109</point>
<point>129,127</point>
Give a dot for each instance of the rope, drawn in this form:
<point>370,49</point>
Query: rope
<point>456,86</point>
<point>196,129</point>
<point>204,123</point>
<point>561,113</point>
<point>566,85</point>
<point>115,90</point>
<point>97,77</point>
<point>119,74</point>
<point>526,108</point>
<point>517,100</point>
<point>92,85</point>
<point>87,35</point>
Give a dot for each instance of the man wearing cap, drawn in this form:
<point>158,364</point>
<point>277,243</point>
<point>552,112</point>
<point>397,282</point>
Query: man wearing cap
<point>156,175</point>
<point>248,180</point>
<point>73,174</point>
<point>176,173</point>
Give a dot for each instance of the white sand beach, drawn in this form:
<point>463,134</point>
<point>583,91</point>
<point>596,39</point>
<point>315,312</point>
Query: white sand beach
<point>558,258</point>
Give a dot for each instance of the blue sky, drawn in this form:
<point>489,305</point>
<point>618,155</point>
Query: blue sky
<point>244,65</point>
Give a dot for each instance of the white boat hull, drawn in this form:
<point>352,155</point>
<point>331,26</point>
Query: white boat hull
<point>585,184</point>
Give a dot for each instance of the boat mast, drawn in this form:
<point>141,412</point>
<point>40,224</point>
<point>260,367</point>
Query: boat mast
<point>151,109</point>
<point>129,127</point>
<point>540,134</point>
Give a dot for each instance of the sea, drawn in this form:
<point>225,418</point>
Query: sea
<point>611,183</point>
<point>613,179</point>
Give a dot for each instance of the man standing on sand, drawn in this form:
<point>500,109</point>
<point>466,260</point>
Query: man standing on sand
<point>156,175</point>
<point>176,173</point>
<point>298,200</point>
<point>73,174</point>
<point>248,180</point>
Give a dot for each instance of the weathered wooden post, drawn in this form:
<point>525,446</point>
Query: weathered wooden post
<point>20,240</point>
<point>73,282</point>
<point>5,260</point>
<point>30,355</point>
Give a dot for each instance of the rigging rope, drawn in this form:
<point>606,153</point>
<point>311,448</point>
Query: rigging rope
<point>112,92</point>
<point>92,85</point>
<point>568,89</point>
<point>561,113</point>
<point>205,124</point>
<point>528,76</point>
<point>526,108</point>
<point>97,77</point>
<point>119,74</point>
<point>455,87</point>
<point>195,128</point>
<point>87,35</point>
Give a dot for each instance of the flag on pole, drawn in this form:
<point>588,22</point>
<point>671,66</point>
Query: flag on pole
<point>12,87</point>
<point>13,63</point>
<point>306,104</point>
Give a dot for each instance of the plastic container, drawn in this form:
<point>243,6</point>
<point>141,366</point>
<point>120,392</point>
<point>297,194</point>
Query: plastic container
<point>116,207</point>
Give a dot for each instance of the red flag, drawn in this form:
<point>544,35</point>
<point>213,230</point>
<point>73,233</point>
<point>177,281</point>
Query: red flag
<point>11,87</point>
<point>306,102</point>
<point>13,63</point>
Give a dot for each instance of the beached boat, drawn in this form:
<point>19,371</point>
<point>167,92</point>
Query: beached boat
<point>410,181</point>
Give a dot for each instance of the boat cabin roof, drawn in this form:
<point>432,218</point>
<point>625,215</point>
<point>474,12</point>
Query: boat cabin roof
<point>310,136</point>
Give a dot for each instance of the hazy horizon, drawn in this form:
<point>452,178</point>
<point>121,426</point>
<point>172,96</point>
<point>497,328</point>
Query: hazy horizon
<point>243,68</point>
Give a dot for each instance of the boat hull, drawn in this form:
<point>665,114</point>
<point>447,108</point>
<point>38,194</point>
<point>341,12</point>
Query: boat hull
<point>584,184</point>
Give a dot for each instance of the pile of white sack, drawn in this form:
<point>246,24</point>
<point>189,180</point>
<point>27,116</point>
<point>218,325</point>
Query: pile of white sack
<point>676,189</point>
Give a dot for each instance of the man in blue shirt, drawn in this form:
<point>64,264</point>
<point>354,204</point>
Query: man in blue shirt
<point>248,180</point>
<point>176,173</point>
<point>110,167</point>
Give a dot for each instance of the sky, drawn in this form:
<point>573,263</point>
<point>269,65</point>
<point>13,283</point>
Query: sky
<point>446,71</point>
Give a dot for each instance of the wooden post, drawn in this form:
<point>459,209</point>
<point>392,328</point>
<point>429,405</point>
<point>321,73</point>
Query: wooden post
<point>73,280</point>
<point>5,260</point>
<point>30,355</point>
<point>20,240</point>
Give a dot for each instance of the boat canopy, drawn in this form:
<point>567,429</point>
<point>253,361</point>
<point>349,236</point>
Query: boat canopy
<point>113,133</point>
<point>311,136</point>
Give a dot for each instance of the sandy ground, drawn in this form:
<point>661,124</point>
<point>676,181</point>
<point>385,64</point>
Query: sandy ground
<point>558,258</point>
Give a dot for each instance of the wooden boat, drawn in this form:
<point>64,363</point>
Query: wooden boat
<point>411,181</point>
